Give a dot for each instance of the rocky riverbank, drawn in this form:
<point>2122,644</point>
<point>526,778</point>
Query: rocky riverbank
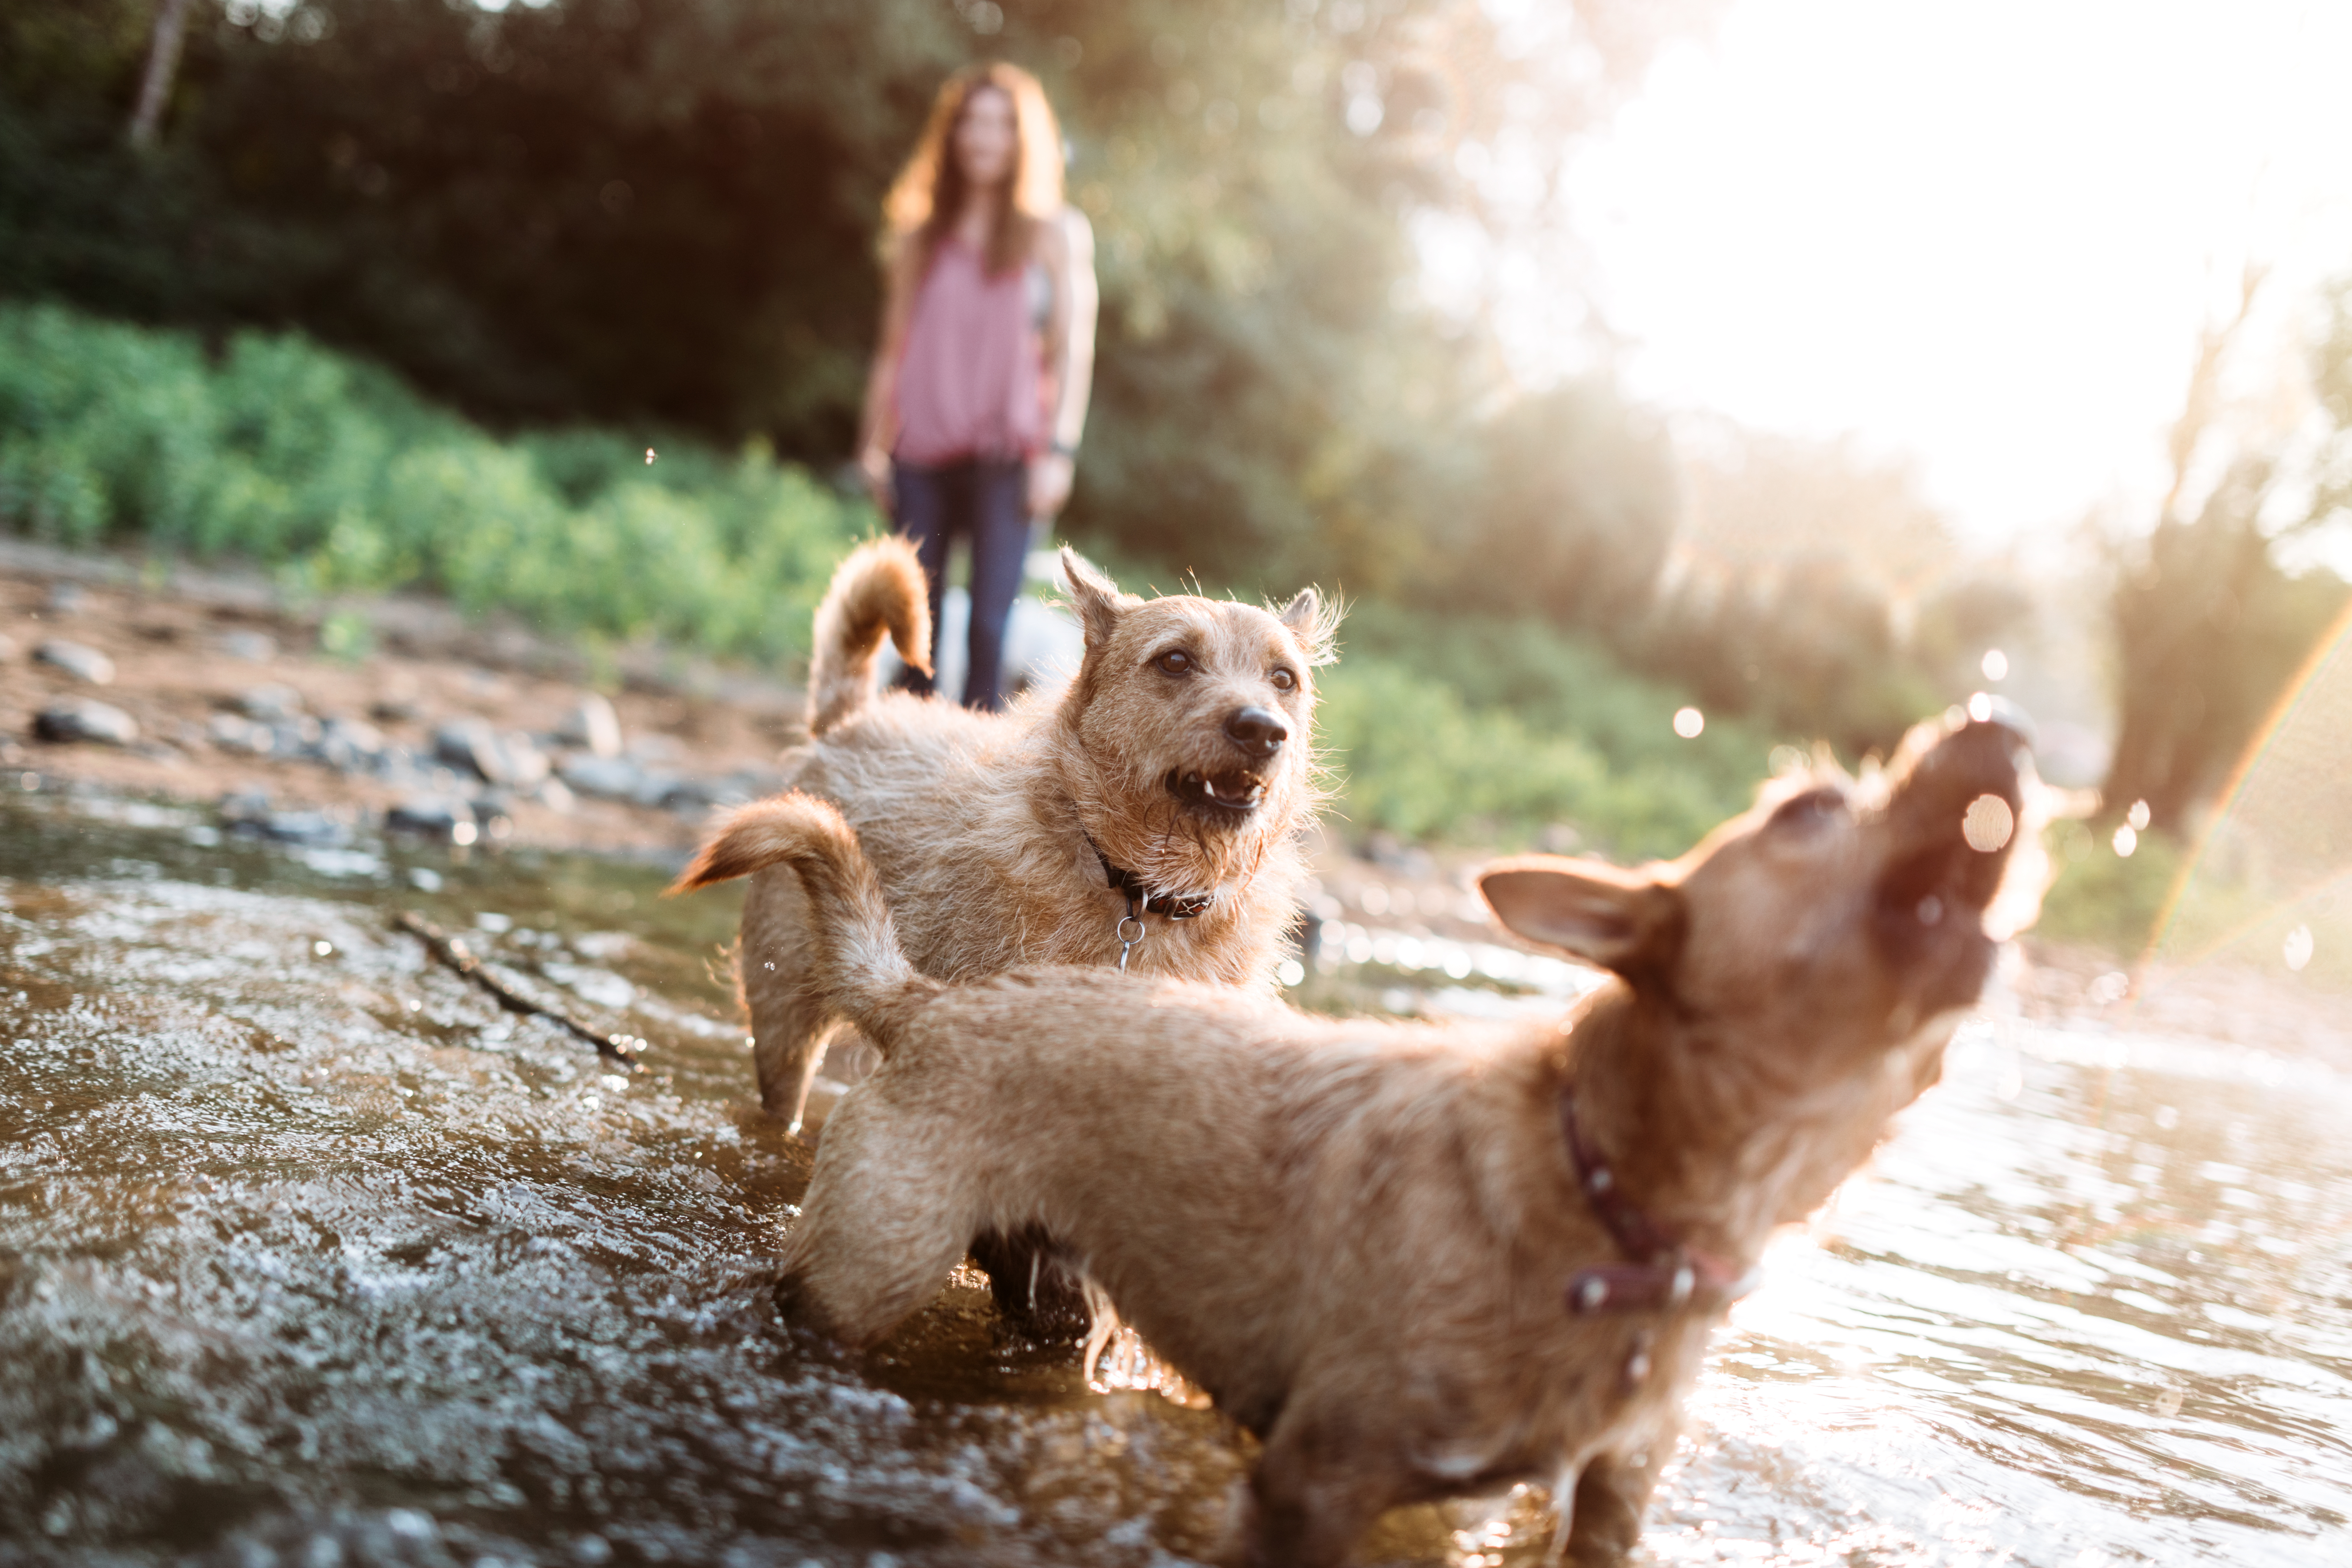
<point>209,689</point>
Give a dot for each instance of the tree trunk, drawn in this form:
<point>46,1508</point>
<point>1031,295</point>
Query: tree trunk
<point>163,65</point>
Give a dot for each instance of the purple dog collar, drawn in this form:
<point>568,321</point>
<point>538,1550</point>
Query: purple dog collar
<point>1663,1273</point>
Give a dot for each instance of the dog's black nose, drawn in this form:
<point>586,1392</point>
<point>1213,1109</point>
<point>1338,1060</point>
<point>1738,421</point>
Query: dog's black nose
<point>1260,731</point>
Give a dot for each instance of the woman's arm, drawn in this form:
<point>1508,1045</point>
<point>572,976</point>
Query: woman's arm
<point>1068,244</point>
<point>877,426</point>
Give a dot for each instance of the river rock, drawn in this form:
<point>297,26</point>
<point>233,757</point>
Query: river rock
<point>349,746</point>
<point>271,703</point>
<point>434,816</point>
<point>81,662</point>
<point>67,598</point>
<point>235,732</point>
<point>471,746</point>
<point>527,766</point>
<point>613,778</point>
<point>86,718</point>
<point>592,725</point>
<point>256,648</point>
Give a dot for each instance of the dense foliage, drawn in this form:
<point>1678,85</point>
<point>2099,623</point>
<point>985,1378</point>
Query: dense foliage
<point>332,472</point>
<point>661,213</point>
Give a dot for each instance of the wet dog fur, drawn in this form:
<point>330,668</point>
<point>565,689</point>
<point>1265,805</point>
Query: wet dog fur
<point>1355,1236</point>
<point>980,825</point>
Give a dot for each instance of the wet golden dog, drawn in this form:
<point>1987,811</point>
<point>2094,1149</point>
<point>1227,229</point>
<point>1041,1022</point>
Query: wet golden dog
<point>1427,1260</point>
<point>1160,799</point>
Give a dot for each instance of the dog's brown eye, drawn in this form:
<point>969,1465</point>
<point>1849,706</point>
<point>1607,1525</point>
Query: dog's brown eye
<point>1175,661</point>
<point>1283,680</point>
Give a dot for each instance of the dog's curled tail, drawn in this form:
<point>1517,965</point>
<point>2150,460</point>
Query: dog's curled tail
<point>879,588</point>
<point>856,964</point>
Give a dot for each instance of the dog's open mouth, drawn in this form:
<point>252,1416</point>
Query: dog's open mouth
<point>1238,791</point>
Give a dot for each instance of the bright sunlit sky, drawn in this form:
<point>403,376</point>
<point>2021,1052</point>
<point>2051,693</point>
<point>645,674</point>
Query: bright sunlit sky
<point>1983,234</point>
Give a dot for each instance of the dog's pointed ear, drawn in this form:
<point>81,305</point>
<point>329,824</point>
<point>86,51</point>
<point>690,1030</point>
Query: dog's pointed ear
<point>1314,623</point>
<point>1622,920</point>
<point>1096,597</point>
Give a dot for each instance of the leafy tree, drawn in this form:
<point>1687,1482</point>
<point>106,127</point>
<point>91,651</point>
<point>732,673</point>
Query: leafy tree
<point>2210,628</point>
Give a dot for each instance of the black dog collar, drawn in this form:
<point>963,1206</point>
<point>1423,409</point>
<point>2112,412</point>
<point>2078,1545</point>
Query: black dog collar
<point>1141,901</point>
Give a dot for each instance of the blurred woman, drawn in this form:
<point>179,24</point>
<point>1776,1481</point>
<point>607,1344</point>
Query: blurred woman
<point>977,392</point>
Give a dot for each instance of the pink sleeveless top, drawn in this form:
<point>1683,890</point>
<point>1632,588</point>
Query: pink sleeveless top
<point>972,379</point>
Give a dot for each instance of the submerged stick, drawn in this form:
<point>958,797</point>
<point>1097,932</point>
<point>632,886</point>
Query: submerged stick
<point>453,951</point>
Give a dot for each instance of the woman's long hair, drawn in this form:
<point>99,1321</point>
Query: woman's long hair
<point>929,191</point>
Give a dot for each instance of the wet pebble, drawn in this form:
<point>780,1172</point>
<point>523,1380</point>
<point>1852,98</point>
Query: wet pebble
<point>613,778</point>
<point>77,659</point>
<point>433,815</point>
<point>256,648</point>
<point>235,732</point>
<point>271,703</point>
<point>472,746</point>
<point>592,725</point>
<point>86,718</point>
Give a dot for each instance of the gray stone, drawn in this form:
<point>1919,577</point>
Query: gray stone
<point>471,746</point>
<point>348,746</point>
<point>314,828</point>
<point>80,662</point>
<point>67,598</point>
<point>527,766</point>
<point>434,816</point>
<point>241,806</point>
<point>594,726</point>
<point>86,718</point>
<point>556,795</point>
<point>614,778</point>
<point>235,732</point>
<point>256,646</point>
<point>271,703</point>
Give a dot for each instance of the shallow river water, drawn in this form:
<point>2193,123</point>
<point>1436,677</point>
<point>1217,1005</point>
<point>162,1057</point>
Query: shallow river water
<point>311,1254</point>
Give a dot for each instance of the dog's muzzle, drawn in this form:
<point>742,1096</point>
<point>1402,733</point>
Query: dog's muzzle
<point>1234,793</point>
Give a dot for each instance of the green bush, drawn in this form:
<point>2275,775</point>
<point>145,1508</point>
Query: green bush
<point>335,475</point>
<point>1413,754</point>
<point>2104,899</point>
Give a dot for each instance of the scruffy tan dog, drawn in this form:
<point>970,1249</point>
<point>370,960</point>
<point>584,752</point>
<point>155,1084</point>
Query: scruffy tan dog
<point>1427,1260</point>
<point>1149,815</point>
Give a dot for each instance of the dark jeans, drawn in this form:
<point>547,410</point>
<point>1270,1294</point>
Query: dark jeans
<point>988,502</point>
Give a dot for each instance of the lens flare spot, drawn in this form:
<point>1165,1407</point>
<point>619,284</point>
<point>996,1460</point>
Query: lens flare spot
<point>649,457</point>
<point>1987,823</point>
<point>1996,664</point>
<point>463,833</point>
<point>1688,722</point>
<point>2126,839</point>
<point>1291,972</point>
<point>2297,947</point>
<point>2138,816</point>
<point>1981,708</point>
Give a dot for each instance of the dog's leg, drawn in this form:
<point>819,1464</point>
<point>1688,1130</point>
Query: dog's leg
<point>1324,1477</point>
<point>881,1229</point>
<point>1607,1503</point>
<point>1036,1293</point>
<point>790,1027</point>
